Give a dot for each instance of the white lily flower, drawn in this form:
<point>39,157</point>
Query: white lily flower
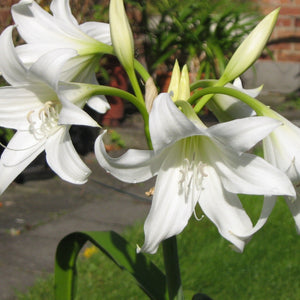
<point>198,165</point>
<point>32,106</point>
<point>227,108</point>
<point>282,149</point>
<point>44,32</point>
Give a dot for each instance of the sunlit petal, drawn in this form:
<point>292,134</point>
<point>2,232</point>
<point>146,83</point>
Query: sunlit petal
<point>133,166</point>
<point>63,158</point>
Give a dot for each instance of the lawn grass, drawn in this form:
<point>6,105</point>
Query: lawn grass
<point>267,269</point>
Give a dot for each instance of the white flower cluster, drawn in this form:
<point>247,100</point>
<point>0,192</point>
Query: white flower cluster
<point>50,79</point>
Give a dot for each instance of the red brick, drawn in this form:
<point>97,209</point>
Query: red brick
<point>284,22</point>
<point>291,11</point>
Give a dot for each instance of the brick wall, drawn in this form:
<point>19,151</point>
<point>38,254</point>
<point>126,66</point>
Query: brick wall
<point>285,40</point>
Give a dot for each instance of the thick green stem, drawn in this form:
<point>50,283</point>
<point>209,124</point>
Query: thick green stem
<point>256,105</point>
<point>172,269</point>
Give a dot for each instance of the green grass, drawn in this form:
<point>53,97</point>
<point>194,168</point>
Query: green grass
<point>267,269</point>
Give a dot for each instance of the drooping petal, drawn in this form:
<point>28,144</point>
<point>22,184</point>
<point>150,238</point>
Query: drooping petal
<point>133,166</point>
<point>243,134</point>
<point>249,174</point>
<point>16,103</point>
<point>97,30</point>
<point>63,158</point>
<point>11,67</point>
<point>171,206</point>
<point>224,209</point>
<point>22,149</point>
<point>269,203</point>
<point>168,124</point>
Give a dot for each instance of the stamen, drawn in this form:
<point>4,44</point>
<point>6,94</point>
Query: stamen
<point>192,176</point>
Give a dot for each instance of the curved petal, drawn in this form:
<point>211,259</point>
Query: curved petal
<point>63,158</point>
<point>249,174</point>
<point>294,206</point>
<point>61,10</point>
<point>11,67</point>
<point>133,166</point>
<point>52,62</point>
<point>35,25</point>
<point>17,102</point>
<point>243,134</point>
<point>171,206</point>
<point>269,203</point>
<point>22,149</point>
<point>224,209</point>
<point>168,124</point>
<point>99,104</point>
<point>71,114</point>
<point>97,30</point>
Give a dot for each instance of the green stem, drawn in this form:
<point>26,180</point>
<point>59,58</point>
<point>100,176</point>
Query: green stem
<point>141,70</point>
<point>172,269</point>
<point>135,85</point>
<point>140,105</point>
<point>207,93</point>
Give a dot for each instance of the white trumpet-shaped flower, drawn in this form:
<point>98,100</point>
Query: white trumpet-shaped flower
<point>32,106</point>
<point>198,165</point>
<point>44,32</point>
<point>282,149</point>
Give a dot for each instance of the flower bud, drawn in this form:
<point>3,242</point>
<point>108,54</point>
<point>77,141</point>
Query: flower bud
<point>121,34</point>
<point>250,49</point>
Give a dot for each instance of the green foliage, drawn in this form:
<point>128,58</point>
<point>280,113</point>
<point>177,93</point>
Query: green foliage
<point>202,33</point>
<point>268,268</point>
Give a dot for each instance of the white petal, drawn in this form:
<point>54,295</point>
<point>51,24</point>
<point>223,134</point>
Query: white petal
<point>35,25</point>
<point>61,10</point>
<point>99,104</point>
<point>11,67</point>
<point>17,102</point>
<point>224,209</point>
<point>269,203</point>
<point>52,62</point>
<point>168,124</point>
<point>171,208</point>
<point>71,114</point>
<point>80,69</point>
<point>243,134</point>
<point>20,152</point>
<point>63,158</point>
<point>249,174</point>
<point>97,30</point>
<point>133,166</point>
<point>294,206</point>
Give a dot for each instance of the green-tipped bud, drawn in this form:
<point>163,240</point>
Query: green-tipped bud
<point>174,82</point>
<point>184,85</point>
<point>179,87</point>
<point>121,34</point>
<point>250,49</point>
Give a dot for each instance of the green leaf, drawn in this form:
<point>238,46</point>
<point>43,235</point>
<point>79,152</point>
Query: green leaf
<point>149,278</point>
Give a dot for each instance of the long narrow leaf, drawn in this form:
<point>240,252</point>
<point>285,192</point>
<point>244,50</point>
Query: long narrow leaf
<point>150,279</point>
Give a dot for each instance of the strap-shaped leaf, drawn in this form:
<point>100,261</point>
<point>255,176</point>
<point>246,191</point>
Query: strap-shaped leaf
<point>150,279</point>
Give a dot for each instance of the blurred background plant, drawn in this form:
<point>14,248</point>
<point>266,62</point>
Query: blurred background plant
<point>203,34</point>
